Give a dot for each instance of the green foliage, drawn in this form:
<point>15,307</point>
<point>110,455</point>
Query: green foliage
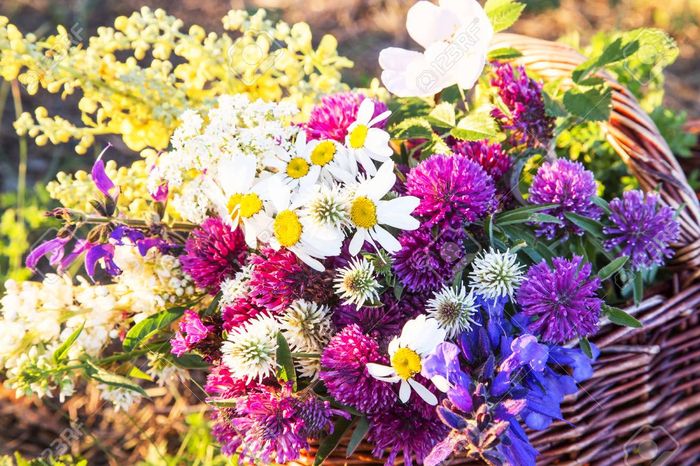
<point>64,460</point>
<point>503,13</point>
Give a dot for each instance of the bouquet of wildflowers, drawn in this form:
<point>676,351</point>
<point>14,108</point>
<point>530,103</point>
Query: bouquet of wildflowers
<point>414,269</point>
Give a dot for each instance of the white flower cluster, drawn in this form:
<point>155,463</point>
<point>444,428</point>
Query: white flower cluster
<point>250,350</point>
<point>255,170</point>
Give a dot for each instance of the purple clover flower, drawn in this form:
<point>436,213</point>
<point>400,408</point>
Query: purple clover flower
<point>563,298</point>
<point>490,156</point>
<point>642,228</point>
<point>571,186</point>
<point>451,189</point>
<point>527,118</point>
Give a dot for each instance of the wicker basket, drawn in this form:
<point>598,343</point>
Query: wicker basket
<point>646,386</point>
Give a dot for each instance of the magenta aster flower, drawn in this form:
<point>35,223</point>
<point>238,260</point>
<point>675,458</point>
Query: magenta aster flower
<point>405,429</point>
<point>526,119</point>
<point>213,252</point>
<point>428,259</point>
<point>450,188</point>
<point>191,332</point>
<point>332,117</point>
<point>491,157</point>
<point>239,312</point>
<point>571,186</point>
<point>344,371</point>
<point>642,228</point>
<point>562,298</point>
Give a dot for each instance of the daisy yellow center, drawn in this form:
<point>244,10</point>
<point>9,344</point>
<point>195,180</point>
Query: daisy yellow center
<point>406,363</point>
<point>363,212</point>
<point>247,204</point>
<point>287,228</point>
<point>323,153</point>
<point>297,168</point>
<point>358,136</point>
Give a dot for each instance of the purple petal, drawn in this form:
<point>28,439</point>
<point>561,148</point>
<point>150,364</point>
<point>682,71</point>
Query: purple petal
<point>100,178</point>
<point>53,247</point>
<point>161,193</point>
<point>101,251</point>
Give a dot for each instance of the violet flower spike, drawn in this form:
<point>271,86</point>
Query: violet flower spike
<point>53,248</point>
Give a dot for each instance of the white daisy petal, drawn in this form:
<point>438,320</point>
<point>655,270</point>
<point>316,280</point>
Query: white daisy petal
<point>379,370</point>
<point>423,392</point>
<point>404,392</point>
<point>384,238</point>
<point>364,113</point>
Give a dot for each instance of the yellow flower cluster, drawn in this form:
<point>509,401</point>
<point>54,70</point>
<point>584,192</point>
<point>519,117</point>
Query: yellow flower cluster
<point>136,78</point>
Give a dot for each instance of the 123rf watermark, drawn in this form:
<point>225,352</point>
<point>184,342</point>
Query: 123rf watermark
<point>62,444</point>
<point>651,445</point>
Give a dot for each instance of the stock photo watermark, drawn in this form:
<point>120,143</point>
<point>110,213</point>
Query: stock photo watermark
<point>260,53</point>
<point>652,445</point>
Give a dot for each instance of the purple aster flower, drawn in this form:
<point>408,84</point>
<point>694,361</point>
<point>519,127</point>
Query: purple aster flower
<point>450,188</point>
<point>332,117</point>
<point>642,228</point>
<point>491,157</point>
<point>563,298</point>
<point>428,259</point>
<point>571,186</point>
<point>213,252</point>
<point>192,331</point>
<point>526,117</point>
<point>405,429</point>
<point>344,371</point>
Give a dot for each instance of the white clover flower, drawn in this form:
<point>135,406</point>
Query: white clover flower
<point>234,288</point>
<point>356,283</point>
<point>458,29</point>
<point>121,398</point>
<point>496,274</point>
<point>327,206</point>
<point>419,338</point>
<point>306,326</point>
<point>366,143</point>
<point>453,309</point>
<point>250,351</point>
<point>368,211</point>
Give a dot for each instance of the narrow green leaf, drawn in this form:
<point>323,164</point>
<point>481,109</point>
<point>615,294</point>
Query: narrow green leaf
<point>357,436</point>
<point>137,373</point>
<point>62,350</point>
<point>588,225</point>
<point>620,317</point>
<point>504,53</point>
<point>330,442</point>
<point>149,326</point>
<point>585,346</point>
<point>214,305</point>
<point>612,268</point>
<point>286,371</point>
<point>520,215</point>
<point>503,13</point>
<point>638,287</point>
<point>602,203</point>
<point>114,380</point>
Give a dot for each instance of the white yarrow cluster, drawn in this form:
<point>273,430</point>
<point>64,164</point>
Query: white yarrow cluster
<point>121,398</point>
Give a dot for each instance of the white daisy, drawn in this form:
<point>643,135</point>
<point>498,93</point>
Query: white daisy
<point>250,351</point>
<point>366,143</point>
<point>407,353</point>
<point>453,309</point>
<point>295,168</point>
<point>496,274</point>
<point>238,196</point>
<point>289,228</point>
<point>356,283</point>
<point>334,160</point>
<point>368,212</point>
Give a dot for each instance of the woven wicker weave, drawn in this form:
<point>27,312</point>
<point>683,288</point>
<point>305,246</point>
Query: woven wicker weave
<point>646,386</point>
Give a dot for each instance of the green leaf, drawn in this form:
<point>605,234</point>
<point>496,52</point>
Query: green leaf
<point>590,226</point>
<point>137,373</point>
<point>150,326</point>
<point>476,126</point>
<point>62,350</point>
<point>330,442</point>
<point>285,362</point>
<point>585,346</point>
<point>503,13</point>
<point>114,380</point>
<point>602,203</point>
<point>414,128</point>
<point>612,268</point>
<point>617,50</point>
<point>443,115</point>
<point>593,104</point>
<point>520,215</point>
<point>638,287</point>
<point>190,361</point>
<point>554,107</point>
<point>620,317</point>
<point>214,305</point>
<point>504,53</point>
<point>357,436</point>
